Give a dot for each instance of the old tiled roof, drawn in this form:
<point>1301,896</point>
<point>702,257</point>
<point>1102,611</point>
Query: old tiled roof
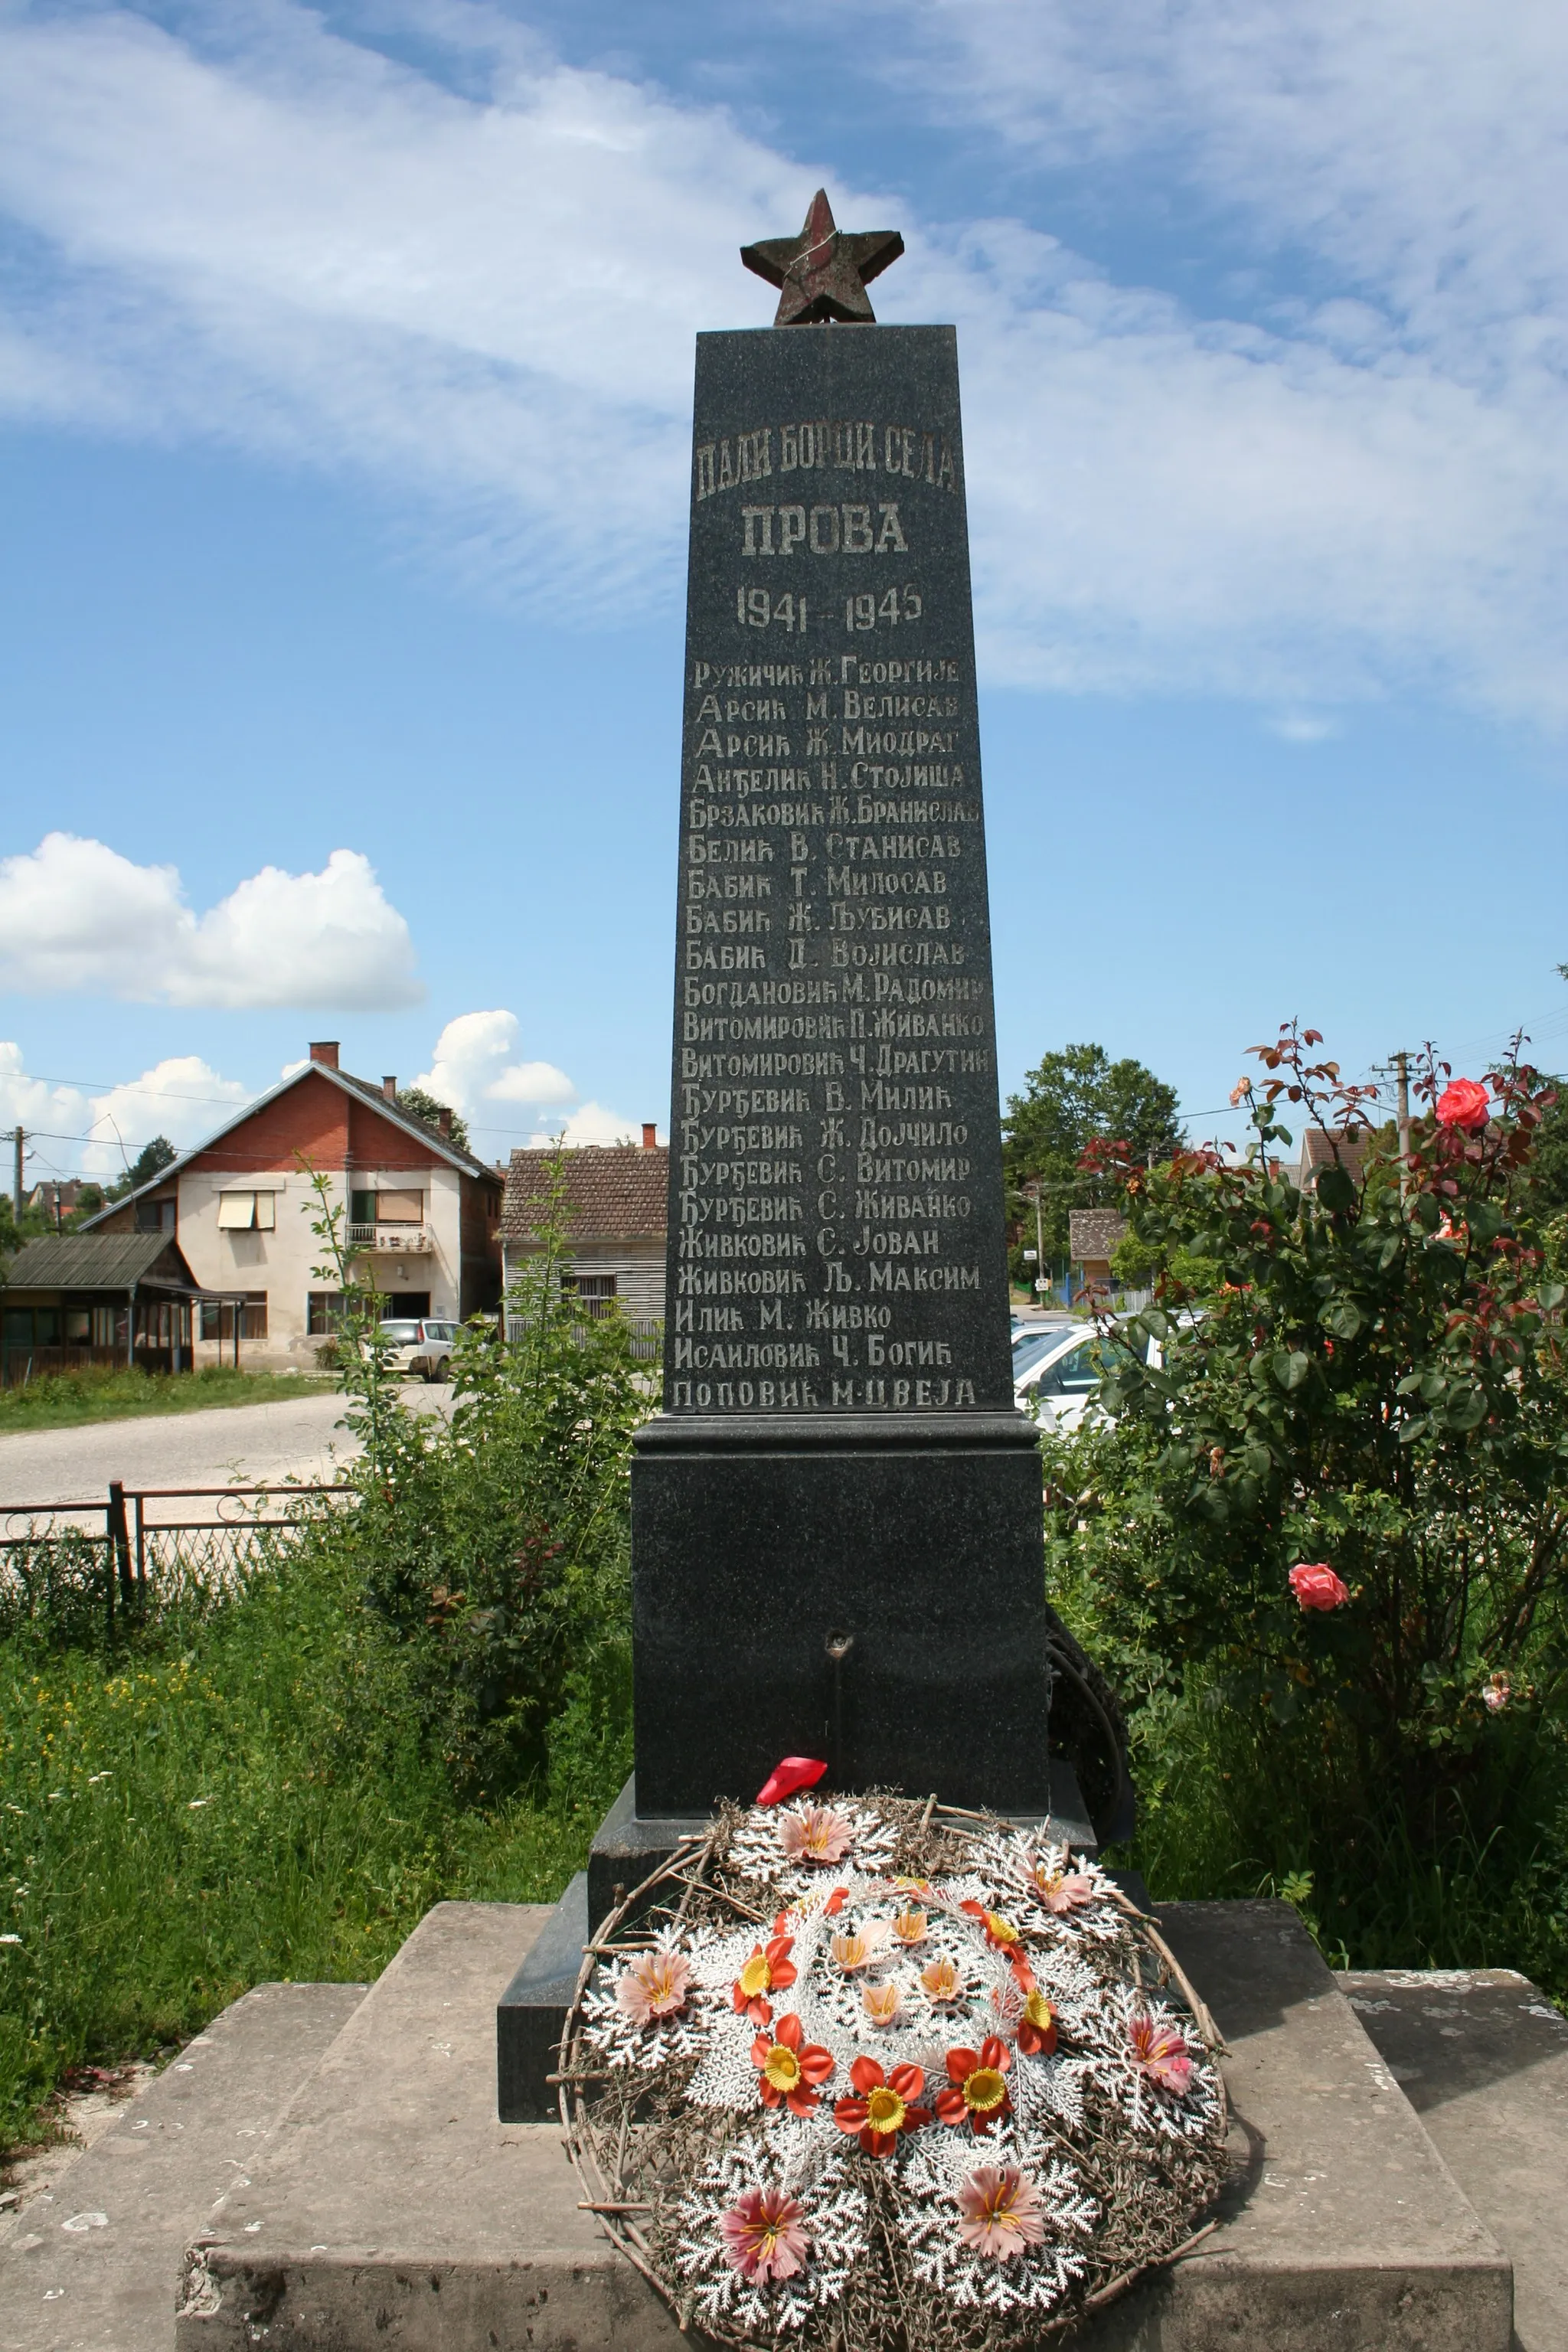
<point>1317,1154</point>
<point>616,1192</point>
<point>1094,1232</point>
<point>96,1262</point>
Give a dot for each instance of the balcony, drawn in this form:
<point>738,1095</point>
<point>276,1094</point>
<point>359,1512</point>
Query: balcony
<point>392,1241</point>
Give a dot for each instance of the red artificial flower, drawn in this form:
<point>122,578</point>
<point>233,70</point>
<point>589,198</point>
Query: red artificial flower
<point>791,1772</point>
<point>1160,2051</point>
<point>768,1970</point>
<point>1002,1936</point>
<point>883,2108</point>
<point>836,1902</point>
<point>976,2087</point>
<point>1316,1586</point>
<point>790,2067</point>
<point>1038,2026</point>
<point>1463,1105</point>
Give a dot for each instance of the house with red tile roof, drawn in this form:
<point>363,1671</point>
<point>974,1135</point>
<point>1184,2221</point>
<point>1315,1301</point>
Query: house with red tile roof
<point>421,1214</point>
<point>616,1198</point>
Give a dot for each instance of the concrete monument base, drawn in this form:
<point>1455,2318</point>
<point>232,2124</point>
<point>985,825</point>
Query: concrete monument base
<point>393,2213</point>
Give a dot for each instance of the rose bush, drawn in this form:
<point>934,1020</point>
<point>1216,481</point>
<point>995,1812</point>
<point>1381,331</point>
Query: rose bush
<point>1364,1383</point>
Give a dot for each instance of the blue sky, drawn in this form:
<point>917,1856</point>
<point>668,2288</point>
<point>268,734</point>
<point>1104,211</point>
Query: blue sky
<point>345,367</point>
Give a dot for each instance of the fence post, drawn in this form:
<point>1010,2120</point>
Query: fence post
<point>141,1551</point>
<point>119,1538</point>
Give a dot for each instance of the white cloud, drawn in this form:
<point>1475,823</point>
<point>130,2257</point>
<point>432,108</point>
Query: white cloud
<point>470,1067</point>
<point>76,1131</point>
<point>590,1123</point>
<point>1302,727</point>
<point>487,302</point>
<point>76,916</point>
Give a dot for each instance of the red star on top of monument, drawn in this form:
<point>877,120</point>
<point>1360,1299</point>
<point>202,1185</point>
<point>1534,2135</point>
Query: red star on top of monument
<point>824,270</point>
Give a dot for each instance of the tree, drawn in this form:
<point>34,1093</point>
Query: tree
<point>425,1107</point>
<point>1072,1099</point>
<point>150,1162</point>
<point>1340,1491</point>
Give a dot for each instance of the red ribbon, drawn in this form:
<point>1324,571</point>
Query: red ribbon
<point>791,1773</point>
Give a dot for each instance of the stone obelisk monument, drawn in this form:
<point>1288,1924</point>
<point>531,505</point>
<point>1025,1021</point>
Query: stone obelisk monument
<point>836,1518</point>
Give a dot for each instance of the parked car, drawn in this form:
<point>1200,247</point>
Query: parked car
<point>419,1346</point>
<point>1056,1371</point>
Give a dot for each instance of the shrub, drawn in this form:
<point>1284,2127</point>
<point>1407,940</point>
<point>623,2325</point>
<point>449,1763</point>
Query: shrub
<point>1368,1378</point>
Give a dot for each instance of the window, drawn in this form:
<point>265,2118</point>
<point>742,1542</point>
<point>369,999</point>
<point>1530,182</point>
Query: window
<point>108,1328</point>
<point>362,1208</point>
<point>596,1291</point>
<point>324,1313</point>
<point>79,1325</point>
<point>218,1317</point>
<point>18,1327</point>
<point>400,1208</point>
<point>242,1212</point>
<point>155,1216</point>
<point>46,1326</point>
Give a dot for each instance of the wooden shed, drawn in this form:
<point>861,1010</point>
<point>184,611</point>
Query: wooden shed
<point>75,1299</point>
<point>617,1214</point>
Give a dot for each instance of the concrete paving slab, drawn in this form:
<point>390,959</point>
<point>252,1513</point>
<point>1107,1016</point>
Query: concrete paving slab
<point>1482,2056</point>
<point>94,2264</point>
<point>396,2214</point>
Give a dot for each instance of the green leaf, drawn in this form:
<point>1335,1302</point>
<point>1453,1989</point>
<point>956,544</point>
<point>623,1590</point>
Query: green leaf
<point>1291,1367</point>
<point>1409,1384</point>
<point>1465,1408</point>
<point>1428,1214</point>
<point>1550,1294</point>
<point>1343,1317</point>
<point>1335,1189</point>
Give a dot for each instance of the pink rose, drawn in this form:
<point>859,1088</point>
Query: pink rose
<point>1463,1104</point>
<point>1316,1586</point>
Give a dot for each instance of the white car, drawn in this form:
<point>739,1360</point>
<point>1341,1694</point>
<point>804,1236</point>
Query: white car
<point>1056,1372</point>
<point>422,1345</point>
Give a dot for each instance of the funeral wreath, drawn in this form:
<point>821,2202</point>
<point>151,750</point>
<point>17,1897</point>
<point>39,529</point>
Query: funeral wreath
<point>873,2072</point>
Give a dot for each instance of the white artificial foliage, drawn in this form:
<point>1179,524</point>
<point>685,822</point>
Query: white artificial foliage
<point>1032,2279</point>
<point>833,2217</point>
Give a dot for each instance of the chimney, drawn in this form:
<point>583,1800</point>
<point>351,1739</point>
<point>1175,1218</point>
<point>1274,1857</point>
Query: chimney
<point>649,1135</point>
<point>326,1052</point>
<point>443,1121</point>
<point>389,1088</point>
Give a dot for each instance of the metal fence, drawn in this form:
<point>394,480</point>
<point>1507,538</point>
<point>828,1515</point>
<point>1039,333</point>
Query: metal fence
<point>101,1559</point>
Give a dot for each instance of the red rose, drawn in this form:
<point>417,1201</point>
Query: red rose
<point>1463,1104</point>
<point>1316,1586</point>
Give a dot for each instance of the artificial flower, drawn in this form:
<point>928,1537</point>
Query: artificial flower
<point>1000,1933</point>
<point>1160,2051</point>
<point>1316,1586</point>
<point>1495,1692</point>
<point>792,1773</point>
<point>881,2003</point>
<point>1038,2026</point>
<point>851,1952</point>
<point>976,2088</point>
<point>652,1986</point>
<point>815,1834</point>
<point>1061,1890</point>
<point>938,1979</point>
<point>769,1970</point>
<point>999,2211</point>
<point>909,1927</point>
<point>762,2236</point>
<point>882,2108</point>
<point>1463,1105</point>
<point>791,2068</point>
<point>836,1902</point>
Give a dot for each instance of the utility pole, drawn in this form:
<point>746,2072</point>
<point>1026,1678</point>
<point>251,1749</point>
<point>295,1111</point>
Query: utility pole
<point>18,1138</point>
<point>1401,1073</point>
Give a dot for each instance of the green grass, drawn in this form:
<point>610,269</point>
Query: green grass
<point>235,1797</point>
<point>1237,1806</point>
<point>62,1400</point>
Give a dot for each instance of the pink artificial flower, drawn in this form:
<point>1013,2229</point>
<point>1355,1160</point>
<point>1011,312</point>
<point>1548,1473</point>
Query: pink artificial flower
<point>1061,1890</point>
<point>1463,1105</point>
<point>793,1772</point>
<point>1495,1692</point>
<point>814,1834</point>
<point>1316,1586</point>
<point>652,1986</point>
<point>762,2236</point>
<point>1000,2209</point>
<point>1160,2051</point>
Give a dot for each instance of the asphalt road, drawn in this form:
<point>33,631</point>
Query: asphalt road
<point>302,1438</point>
